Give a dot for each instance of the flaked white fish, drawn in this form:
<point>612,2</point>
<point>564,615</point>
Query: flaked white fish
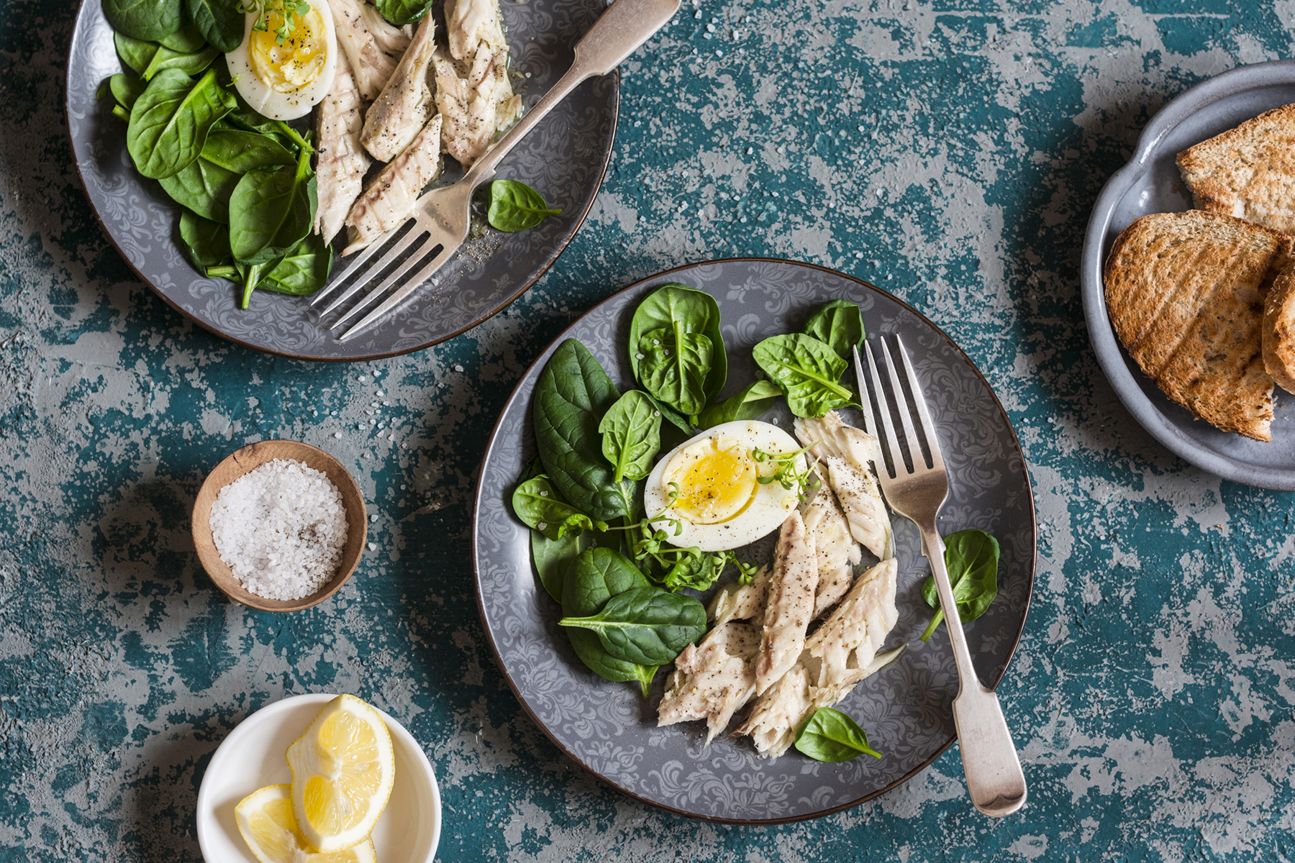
<point>838,552</point>
<point>848,454</point>
<point>370,65</point>
<point>842,652</point>
<point>340,160</point>
<point>407,101</point>
<point>712,679</point>
<point>789,606</point>
<point>473,92</point>
<point>390,197</point>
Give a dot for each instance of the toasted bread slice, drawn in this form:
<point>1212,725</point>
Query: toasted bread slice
<point>1247,172</point>
<point>1279,330</point>
<point>1185,295</point>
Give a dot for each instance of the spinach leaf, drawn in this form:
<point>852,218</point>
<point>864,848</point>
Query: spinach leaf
<point>186,40</point>
<point>674,367</point>
<point>678,308</point>
<point>571,397</point>
<point>839,324</point>
<point>149,20</point>
<point>205,185</point>
<point>646,626</point>
<point>748,404</point>
<point>170,121</point>
<point>515,206</point>
<point>302,271</point>
<point>830,735</point>
<point>553,558</point>
<point>971,558</point>
<point>538,506</point>
<point>219,21</point>
<point>124,88</point>
<point>206,243</point>
<point>596,575</point>
<point>149,58</point>
<point>807,370</point>
<point>402,12</point>
<point>673,416</point>
<point>631,431</point>
<point>270,210</point>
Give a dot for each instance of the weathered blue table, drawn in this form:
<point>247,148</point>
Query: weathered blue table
<point>949,152</point>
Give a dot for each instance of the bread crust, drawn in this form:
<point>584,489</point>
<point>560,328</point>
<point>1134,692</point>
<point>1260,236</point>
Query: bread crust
<point>1248,171</point>
<point>1185,295</point>
<point>1279,331</point>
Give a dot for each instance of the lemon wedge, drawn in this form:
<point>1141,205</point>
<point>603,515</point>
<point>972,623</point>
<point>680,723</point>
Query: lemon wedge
<point>343,768</point>
<point>269,828</point>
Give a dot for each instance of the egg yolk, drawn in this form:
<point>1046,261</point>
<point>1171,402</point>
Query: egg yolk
<point>713,483</point>
<point>296,62</point>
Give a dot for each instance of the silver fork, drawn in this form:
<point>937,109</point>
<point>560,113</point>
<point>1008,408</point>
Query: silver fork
<point>917,489</point>
<point>441,218</point>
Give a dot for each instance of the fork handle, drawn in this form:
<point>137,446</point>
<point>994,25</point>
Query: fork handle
<point>989,759</point>
<point>617,33</point>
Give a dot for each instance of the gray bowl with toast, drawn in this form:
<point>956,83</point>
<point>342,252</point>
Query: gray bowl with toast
<point>1175,305</point>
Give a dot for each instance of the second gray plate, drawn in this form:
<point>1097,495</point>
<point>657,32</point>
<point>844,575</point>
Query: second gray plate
<point>564,159</point>
<point>1150,183</point>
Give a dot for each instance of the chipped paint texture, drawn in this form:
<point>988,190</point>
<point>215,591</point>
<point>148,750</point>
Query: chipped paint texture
<point>948,151</point>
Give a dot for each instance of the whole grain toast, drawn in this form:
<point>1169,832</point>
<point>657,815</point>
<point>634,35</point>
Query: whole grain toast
<point>1185,294</point>
<point>1279,330</point>
<point>1247,172</point>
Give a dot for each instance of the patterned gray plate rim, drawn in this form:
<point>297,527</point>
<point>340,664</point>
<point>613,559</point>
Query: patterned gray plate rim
<point>1166,422</point>
<point>522,391</point>
<point>558,246</point>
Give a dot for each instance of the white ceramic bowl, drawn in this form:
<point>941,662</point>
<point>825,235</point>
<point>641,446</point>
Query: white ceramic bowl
<point>252,756</point>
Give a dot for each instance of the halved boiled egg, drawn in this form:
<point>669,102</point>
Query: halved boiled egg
<point>285,68</point>
<point>726,487</point>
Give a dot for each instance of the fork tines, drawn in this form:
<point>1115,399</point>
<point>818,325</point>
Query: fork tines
<point>915,450</point>
<point>404,259</point>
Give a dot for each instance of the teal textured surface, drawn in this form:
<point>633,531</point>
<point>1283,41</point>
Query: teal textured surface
<point>949,153</point>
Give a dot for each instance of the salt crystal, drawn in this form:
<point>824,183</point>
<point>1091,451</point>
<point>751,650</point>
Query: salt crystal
<point>281,528</point>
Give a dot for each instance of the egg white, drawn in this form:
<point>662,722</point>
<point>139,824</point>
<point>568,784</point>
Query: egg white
<point>294,103</point>
<point>767,510</point>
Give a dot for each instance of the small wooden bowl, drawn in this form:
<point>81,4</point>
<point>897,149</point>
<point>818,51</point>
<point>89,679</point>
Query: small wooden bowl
<point>253,456</point>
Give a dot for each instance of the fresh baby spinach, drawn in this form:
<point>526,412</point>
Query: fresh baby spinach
<point>206,243</point>
<point>631,431</point>
<point>402,12</point>
<point>971,558</point>
<point>186,40</point>
<point>839,324</point>
<point>271,210</point>
<point>748,404</point>
<point>807,370</point>
<point>674,367</point>
<point>595,576</point>
<point>219,21</point>
<point>125,89</point>
<point>514,206</point>
<point>149,20</point>
<point>171,119</point>
<point>830,735</point>
<point>669,314</point>
<point>571,397</point>
<point>538,506</point>
<point>205,186</point>
<point>147,59</point>
<point>646,626</point>
<point>302,270</point>
<point>554,557</point>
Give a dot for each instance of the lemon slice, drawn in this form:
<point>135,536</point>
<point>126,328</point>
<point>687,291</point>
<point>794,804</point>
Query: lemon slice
<point>269,828</point>
<point>342,768</point>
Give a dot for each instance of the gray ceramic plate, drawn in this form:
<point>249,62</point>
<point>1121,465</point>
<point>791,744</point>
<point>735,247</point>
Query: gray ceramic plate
<point>608,729</point>
<point>1150,183</point>
<point>564,158</point>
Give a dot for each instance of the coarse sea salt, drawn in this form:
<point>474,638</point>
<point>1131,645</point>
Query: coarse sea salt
<point>281,529</point>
